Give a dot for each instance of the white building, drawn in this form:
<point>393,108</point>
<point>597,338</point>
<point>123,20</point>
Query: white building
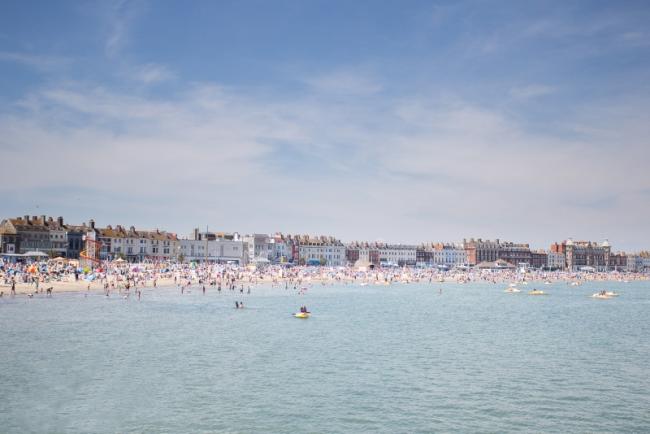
<point>555,261</point>
<point>216,250</point>
<point>449,255</point>
<point>136,245</point>
<point>645,262</point>
<point>396,254</point>
<point>259,247</point>
<point>280,248</point>
<point>634,263</point>
<point>326,250</point>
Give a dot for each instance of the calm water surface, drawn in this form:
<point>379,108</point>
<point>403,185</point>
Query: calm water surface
<point>372,359</point>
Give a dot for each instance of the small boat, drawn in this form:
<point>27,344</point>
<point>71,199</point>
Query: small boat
<point>601,296</point>
<point>536,292</point>
<point>302,314</point>
<point>604,295</point>
<point>512,290</point>
<point>548,282</point>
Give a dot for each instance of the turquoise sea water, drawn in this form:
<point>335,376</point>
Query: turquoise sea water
<point>372,359</point>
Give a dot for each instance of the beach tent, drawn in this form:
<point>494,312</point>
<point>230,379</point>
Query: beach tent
<point>363,265</point>
<point>35,254</point>
<point>499,264</point>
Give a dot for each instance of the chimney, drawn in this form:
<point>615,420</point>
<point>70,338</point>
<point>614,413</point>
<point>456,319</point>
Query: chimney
<point>26,218</point>
<point>92,224</point>
<point>34,219</point>
<point>43,217</point>
<point>59,220</point>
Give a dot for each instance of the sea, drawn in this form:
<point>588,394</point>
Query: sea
<point>404,358</point>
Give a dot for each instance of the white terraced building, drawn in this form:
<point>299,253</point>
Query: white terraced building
<point>396,254</point>
<point>555,261</point>
<point>327,250</point>
<point>136,245</point>
<point>449,255</point>
<point>217,250</point>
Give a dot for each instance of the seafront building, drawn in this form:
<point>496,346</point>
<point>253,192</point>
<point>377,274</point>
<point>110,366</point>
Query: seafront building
<point>441,255</point>
<point>590,256</point>
<point>555,260</point>
<point>282,248</point>
<point>41,234</point>
<point>21,235</point>
<point>381,254</point>
<point>135,245</point>
<point>259,247</point>
<point>323,250</point>
<point>47,236</point>
<point>487,251</point>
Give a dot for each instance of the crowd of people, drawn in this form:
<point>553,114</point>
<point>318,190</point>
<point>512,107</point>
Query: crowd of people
<point>123,277</point>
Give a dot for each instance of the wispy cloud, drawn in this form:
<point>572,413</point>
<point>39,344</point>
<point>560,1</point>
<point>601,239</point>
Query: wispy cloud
<point>150,73</point>
<point>345,82</point>
<point>36,61</point>
<point>407,157</point>
<point>120,16</point>
<point>532,91</point>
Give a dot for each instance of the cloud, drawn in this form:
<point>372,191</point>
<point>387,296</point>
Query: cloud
<point>119,17</point>
<point>151,73</point>
<point>407,168</point>
<point>39,62</point>
<point>344,82</point>
<point>532,91</point>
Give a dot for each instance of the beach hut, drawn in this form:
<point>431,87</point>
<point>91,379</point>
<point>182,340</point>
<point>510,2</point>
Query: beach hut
<point>364,265</point>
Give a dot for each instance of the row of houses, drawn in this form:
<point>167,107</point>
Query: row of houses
<point>22,235</point>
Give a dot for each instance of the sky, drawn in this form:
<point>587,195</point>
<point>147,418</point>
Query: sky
<point>396,121</point>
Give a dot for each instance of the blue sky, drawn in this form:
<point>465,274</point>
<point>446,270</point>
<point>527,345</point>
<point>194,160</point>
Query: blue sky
<point>402,121</point>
